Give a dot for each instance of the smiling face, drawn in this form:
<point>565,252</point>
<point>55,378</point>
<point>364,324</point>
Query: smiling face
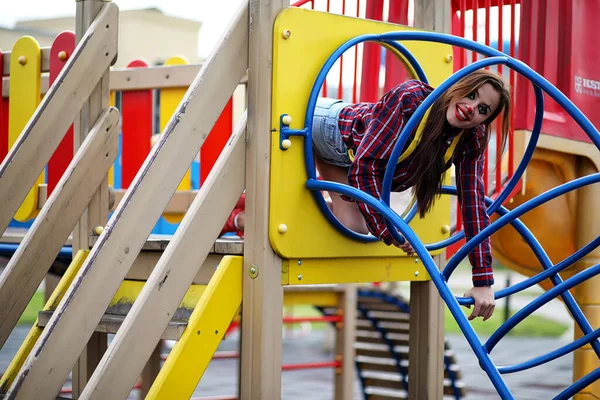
<point>474,109</point>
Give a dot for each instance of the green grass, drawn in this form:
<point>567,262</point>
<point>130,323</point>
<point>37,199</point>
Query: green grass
<point>31,312</point>
<point>532,326</point>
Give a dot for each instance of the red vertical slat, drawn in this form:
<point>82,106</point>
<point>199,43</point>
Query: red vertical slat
<point>511,137</point>
<point>136,108</point>
<point>498,121</point>
<point>62,48</point>
<point>3,117</point>
<point>354,84</point>
<point>369,88</point>
<point>487,7</point>
<point>212,147</point>
<point>395,72</point>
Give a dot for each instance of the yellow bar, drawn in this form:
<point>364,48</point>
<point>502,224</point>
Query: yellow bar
<point>169,100</point>
<point>352,270</point>
<point>24,95</point>
<point>130,290</point>
<point>35,332</point>
<point>313,298</point>
<point>190,356</point>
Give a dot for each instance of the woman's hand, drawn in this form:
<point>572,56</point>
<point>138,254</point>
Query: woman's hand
<point>484,302</point>
<point>405,247</point>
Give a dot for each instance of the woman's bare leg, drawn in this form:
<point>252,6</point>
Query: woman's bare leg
<point>346,212</point>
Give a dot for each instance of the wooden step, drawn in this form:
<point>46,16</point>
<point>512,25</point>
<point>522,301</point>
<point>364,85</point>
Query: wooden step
<point>110,323</point>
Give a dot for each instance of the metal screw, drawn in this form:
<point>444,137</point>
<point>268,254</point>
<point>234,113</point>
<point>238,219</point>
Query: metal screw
<point>253,271</point>
<point>448,58</point>
<point>416,260</point>
<point>299,277</point>
<point>416,273</point>
<point>286,34</point>
<point>299,262</point>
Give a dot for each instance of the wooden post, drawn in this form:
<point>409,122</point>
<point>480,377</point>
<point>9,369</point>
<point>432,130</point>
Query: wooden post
<point>586,293</point>
<point>151,370</point>
<point>426,353</point>
<point>97,212</point>
<point>426,342</point>
<point>344,344</point>
<point>262,307</point>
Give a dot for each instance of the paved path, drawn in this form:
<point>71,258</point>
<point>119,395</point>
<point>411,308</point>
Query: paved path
<point>221,377</point>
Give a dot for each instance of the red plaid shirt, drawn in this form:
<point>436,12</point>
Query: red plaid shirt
<point>371,131</point>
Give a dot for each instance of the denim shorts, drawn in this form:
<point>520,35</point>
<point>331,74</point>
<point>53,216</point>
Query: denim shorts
<point>326,135</point>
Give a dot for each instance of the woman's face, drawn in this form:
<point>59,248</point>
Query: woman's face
<point>473,109</point>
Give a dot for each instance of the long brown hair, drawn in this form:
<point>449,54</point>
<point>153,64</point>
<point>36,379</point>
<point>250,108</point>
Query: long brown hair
<point>429,154</point>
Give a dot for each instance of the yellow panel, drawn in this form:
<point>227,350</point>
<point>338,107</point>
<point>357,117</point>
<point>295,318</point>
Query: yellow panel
<point>24,95</point>
<point>169,100</point>
<point>129,291</point>
<point>17,362</point>
<point>352,270</point>
<point>297,62</point>
<point>208,323</point>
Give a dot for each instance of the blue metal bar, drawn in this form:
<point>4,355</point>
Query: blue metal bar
<point>553,355</point>
<point>308,121</point>
<point>520,210</point>
<point>8,249</point>
<point>517,212</point>
<point>580,384</point>
<point>485,361</point>
<point>540,301</point>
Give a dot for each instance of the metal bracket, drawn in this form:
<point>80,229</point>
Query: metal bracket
<point>285,132</point>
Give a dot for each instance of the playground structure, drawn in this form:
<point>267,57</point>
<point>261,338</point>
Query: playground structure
<point>118,245</point>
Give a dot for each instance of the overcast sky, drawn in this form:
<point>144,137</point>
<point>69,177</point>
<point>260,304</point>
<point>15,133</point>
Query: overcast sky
<point>214,14</point>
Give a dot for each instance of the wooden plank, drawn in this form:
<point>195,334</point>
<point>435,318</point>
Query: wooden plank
<point>43,241</point>
<point>215,311</point>
<point>57,111</point>
<point>156,304</point>
<point>130,225</point>
<point>346,335</point>
<point>157,77</point>
<point>426,366</point>
<point>110,323</point>
<point>260,363</point>
<point>52,301</point>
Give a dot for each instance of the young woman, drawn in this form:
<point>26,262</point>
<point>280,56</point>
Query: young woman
<point>353,143</point>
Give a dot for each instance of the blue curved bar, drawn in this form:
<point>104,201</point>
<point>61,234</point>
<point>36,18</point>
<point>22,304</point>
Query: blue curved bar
<point>486,362</point>
<point>520,210</point>
<point>512,183</point>
<point>553,355</point>
<point>310,110</point>
<point>515,213</point>
<point>580,384</point>
<point>540,301</point>
<point>8,249</point>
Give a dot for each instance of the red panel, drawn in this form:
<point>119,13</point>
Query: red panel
<point>395,72</point>
<point>369,88</point>
<point>212,147</point>
<point>556,41</point>
<point>63,154</point>
<point>3,117</point>
<point>137,128</point>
